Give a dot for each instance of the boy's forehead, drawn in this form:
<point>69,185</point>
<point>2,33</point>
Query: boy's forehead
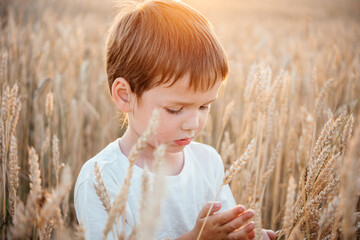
<point>184,84</point>
<point>182,92</point>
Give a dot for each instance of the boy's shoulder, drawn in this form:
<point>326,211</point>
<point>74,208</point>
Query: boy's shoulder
<point>109,160</point>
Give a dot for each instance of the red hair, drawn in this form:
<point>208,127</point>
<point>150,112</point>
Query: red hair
<point>159,41</point>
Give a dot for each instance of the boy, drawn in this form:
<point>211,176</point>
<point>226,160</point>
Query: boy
<point>163,54</point>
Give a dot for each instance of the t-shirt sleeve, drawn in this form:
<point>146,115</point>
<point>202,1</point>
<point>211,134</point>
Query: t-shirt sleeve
<point>91,213</point>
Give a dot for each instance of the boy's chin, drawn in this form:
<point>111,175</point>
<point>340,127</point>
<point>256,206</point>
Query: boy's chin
<point>174,148</point>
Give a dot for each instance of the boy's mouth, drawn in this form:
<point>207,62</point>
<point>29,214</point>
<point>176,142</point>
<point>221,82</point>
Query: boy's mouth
<point>183,142</point>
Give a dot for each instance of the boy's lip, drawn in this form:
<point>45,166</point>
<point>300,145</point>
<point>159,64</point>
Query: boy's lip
<point>183,141</point>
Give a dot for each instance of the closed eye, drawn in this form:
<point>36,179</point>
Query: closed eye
<point>205,107</point>
<point>173,111</point>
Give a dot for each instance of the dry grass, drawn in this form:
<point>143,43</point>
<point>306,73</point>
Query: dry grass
<point>293,85</point>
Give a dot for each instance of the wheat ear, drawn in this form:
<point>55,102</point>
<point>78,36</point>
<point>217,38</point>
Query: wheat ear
<point>45,231</point>
<point>13,175</point>
<point>235,167</point>
<point>319,102</point>
<point>4,67</point>
<point>101,189</point>
<point>35,184</point>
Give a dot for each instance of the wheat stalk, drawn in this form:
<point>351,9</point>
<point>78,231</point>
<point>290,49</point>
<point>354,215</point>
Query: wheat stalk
<point>56,157</point>
<point>227,113</point>
<point>153,208</point>
<point>119,204</point>
<point>229,174</point>
<point>49,105</point>
<point>290,198</point>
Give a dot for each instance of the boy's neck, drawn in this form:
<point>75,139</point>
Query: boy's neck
<point>174,162</point>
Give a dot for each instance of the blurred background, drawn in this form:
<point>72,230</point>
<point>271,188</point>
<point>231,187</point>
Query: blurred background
<point>296,47</point>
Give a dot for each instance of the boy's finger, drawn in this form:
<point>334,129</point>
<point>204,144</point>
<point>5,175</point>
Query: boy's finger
<point>215,206</point>
<point>268,234</point>
<point>238,221</point>
<point>251,235</point>
<point>243,232</point>
<point>228,215</point>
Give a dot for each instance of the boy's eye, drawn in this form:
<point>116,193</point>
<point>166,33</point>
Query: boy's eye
<point>205,107</point>
<point>173,111</point>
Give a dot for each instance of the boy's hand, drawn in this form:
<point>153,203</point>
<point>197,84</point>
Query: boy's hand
<point>268,234</point>
<point>227,225</point>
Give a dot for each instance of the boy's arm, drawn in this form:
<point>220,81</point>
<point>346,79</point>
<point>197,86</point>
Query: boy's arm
<point>91,213</point>
<point>188,236</point>
<point>89,210</point>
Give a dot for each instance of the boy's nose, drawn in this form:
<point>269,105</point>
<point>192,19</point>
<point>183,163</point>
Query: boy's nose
<point>191,122</point>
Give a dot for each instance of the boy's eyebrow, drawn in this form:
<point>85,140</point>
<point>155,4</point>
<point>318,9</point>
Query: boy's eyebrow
<point>190,103</point>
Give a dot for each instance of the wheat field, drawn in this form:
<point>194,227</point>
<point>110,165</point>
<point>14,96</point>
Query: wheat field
<point>286,122</point>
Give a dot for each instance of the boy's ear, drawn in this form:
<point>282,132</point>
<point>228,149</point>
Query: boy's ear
<point>121,94</point>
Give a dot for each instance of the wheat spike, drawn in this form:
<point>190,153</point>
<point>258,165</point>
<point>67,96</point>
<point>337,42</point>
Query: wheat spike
<point>347,133</point>
<point>5,104</point>
<point>35,185</point>
<point>327,217</point>
<point>45,231</point>
<point>319,102</point>
<point>260,89</point>
<point>13,175</point>
<point>235,167</point>
<point>322,150</point>
<point>15,116</point>
<point>12,101</point>
<point>4,67</point>
<point>101,189</point>
<point>315,169</point>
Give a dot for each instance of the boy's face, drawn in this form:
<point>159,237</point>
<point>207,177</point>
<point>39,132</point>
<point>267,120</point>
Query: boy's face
<point>183,113</point>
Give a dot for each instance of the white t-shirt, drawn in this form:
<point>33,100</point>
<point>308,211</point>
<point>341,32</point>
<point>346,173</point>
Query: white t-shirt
<point>186,193</point>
